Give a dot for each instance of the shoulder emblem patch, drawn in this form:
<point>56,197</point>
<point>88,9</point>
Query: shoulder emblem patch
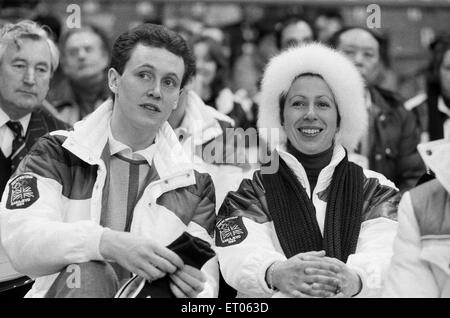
<point>23,192</point>
<point>230,231</point>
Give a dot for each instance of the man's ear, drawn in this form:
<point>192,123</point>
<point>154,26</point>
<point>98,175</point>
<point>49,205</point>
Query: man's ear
<point>113,80</point>
<point>181,97</point>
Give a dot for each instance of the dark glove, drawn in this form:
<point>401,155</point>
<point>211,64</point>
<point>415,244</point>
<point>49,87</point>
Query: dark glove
<point>192,250</point>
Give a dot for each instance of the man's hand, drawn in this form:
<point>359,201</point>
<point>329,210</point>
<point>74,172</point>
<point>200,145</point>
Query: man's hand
<point>139,255</point>
<point>293,276</point>
<point>187,282</point>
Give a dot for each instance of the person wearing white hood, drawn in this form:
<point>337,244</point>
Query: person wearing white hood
<point>203,130</point>
<point>319,226</point>
<point>420,265</point>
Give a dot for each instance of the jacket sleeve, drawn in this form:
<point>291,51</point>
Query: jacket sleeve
<point>202,226</point>
<point>34,237</point>
<point>408,275</point>
<point>244,239</point>
<point>410,166</point>
<point>378,228</point>
<point>35,233</point>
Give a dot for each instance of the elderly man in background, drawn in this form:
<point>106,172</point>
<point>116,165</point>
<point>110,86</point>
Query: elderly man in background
<point>28,58</point>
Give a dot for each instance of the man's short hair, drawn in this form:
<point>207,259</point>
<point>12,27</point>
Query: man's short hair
<point>13,33</point>
<point>155,36</point>
<point>87,27</point>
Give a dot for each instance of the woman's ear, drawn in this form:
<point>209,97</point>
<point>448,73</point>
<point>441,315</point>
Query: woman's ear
<point>113,80</point>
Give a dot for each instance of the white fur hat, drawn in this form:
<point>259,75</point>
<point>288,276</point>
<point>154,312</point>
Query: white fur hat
<point>338,72</point>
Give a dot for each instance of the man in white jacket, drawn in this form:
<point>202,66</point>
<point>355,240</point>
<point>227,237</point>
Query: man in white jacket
<point>89,207</point>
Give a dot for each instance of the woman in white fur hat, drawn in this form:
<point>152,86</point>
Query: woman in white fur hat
<point>320,226</point>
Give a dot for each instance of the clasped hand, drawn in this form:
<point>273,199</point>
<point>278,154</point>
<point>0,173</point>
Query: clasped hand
<point>312,274</point>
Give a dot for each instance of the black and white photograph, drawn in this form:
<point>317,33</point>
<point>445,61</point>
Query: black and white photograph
<point>238,152</point>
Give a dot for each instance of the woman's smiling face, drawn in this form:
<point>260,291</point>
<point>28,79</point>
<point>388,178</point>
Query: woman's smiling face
<point>310,115</point>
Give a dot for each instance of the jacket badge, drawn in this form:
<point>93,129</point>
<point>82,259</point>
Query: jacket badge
<point>230,231</point>
<point>23,192</point>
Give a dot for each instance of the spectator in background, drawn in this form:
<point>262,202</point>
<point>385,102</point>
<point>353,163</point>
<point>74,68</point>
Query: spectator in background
<point>293,31</point>
<point>432,108</point>
<point>389,145</point>
<point>248,68</point>
<point>85,57</point>
<point>327,23</point>
<point>211,82</point>
<point>386,77</point>
<point>28,58</point>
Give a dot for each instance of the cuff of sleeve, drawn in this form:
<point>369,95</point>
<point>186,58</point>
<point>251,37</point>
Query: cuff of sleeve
<point>262,272</point>
<point>364,292</point>
<point>93,243</point>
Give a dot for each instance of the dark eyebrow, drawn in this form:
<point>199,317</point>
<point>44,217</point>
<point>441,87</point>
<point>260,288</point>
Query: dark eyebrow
<point>153,68</point>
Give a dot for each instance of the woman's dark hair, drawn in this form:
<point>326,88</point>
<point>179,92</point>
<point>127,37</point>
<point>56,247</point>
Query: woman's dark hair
<point>439,47</point>
<point>382,39</point>
<point>217,55</point>
<point>283,96</point>
<point>152,35</point>
<point>106,43</point>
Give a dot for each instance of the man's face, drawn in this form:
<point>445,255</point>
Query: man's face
<point>363,49</point>
<point>84,56</point>
<point>295,34</point>
<point>25,74</point>
<point>148,90</point>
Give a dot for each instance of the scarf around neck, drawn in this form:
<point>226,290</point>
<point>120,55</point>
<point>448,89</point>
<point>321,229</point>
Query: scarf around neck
<point>294,215</point>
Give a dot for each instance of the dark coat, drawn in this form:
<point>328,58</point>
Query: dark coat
<point>41,122</point>
<point>396,135</point>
